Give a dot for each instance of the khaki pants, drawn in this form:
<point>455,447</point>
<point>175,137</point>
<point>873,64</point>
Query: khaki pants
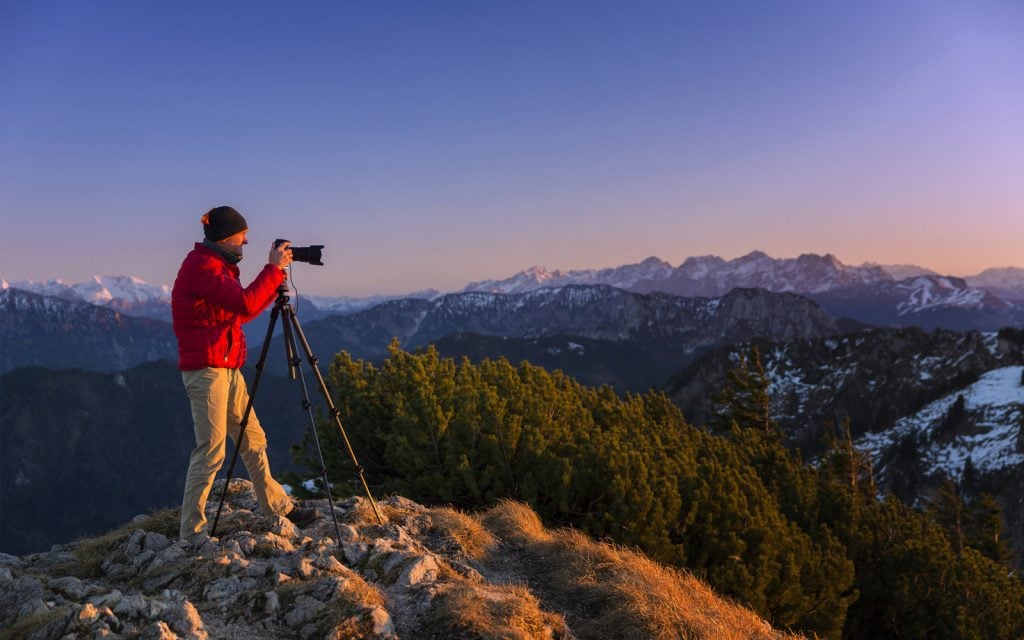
<point>218,397</point>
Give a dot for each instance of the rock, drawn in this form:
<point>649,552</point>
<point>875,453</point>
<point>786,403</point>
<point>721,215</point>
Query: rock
<point>162,580</point>
<point>222,589</point>
<point>273,544</point>
<point>158,631</point>
<point>142,559</point>
<point>383,626</point>
<point>7,560</point>
<point>132,605</point>
<point>88,614</point>
<point>420,571</point>
<point>246,544</point>
<point>328,589</point>
<point>155,542</point>
<point>285,528</point>
<point>348,533</point>
<point>6,575</point>
<point>354,552</point>
<point>305,569</point>
<point>184,620</point>
<point>111,599</point>
<point>401,502</point>
<point>116,571</point>
<point>172,555</point>
<point>271,603</point>
<point>70,587</point>
<point>231,547</point>
<point>257,568</point>
<point>154,608</point>
<point>329,564</point>
<point>208,547</point>
<point>133,546</point>
<point>31,607</point>
<point>304,609</point>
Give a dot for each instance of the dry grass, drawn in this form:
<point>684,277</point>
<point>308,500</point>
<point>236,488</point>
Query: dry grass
<point>609,592</point>
<point>28,625</point>
<point>495,612</point>
<point>516,523</point>
<point>468,533</point>
<point>361,592</point>
<point>91,552</point>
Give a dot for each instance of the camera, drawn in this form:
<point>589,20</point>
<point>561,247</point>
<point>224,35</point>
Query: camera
<point>310,254</point>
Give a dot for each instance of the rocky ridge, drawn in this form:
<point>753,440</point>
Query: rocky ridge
<point>426,573</point>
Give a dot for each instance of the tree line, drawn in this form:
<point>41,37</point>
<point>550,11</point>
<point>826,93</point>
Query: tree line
<point>811,548</point>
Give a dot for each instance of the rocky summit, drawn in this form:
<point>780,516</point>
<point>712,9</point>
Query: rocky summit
<point>426,573</point>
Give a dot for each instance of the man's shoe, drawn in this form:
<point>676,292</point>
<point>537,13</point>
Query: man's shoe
<point>303,517</point>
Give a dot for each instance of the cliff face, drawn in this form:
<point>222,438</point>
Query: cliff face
<point>426,573</point>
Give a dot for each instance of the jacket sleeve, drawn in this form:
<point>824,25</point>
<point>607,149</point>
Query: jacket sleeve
<point>222,290</point>
<point>270,298</point>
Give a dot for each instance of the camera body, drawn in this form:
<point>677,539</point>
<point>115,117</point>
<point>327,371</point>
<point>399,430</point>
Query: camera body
<point>310,254</point>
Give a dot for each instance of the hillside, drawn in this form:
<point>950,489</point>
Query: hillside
<point>428,573</point>
<point>76,438</point>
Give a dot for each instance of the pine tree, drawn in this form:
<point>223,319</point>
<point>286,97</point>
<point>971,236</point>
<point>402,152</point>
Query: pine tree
<point>744,400</point>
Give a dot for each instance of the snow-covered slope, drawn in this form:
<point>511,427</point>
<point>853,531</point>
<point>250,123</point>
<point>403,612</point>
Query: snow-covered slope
<point>990,435</point>
<point>931,292</point>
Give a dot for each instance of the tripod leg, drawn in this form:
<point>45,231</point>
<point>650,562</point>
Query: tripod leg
<point>291,319</point>
<point>290,352</point>
<point>248,411</point>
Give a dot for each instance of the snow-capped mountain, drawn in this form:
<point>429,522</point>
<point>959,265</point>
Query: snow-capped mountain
<point>806,274</point>
<point>899,295</point>
<point>624,277</point>
<point>99,290</point>
<point>902,271</point>
<point>125,294</point>
<point>926,301</point>
<point>1007,282</point>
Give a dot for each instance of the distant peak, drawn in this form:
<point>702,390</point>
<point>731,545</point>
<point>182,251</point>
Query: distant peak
<point>754,255</point>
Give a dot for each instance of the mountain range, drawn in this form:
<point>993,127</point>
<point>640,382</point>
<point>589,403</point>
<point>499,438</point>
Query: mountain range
<point>888,295</point>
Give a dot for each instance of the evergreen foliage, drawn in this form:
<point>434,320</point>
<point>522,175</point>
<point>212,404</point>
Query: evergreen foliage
<point>807,547</point>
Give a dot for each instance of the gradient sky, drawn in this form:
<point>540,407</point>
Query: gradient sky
<point>428,144</point>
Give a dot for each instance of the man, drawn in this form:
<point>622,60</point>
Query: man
<point>209,305</point>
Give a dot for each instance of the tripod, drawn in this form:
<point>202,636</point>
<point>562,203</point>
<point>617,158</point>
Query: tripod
<point>290,324</point>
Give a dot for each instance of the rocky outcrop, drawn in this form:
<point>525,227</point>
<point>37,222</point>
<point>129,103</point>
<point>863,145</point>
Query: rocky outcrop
<point>425,573</point>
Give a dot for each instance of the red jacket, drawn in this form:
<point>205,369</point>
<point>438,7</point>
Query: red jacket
<point>209,305</point>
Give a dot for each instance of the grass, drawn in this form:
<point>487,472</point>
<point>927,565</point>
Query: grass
<point>495,612</point>
<point>27,626</point>
<point>609,592</point>
<point>91,552</point>
<point>467,532</point>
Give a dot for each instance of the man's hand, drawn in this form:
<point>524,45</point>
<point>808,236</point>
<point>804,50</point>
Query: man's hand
<point>281,256</point>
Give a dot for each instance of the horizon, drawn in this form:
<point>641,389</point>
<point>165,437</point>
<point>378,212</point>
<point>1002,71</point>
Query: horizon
<point>431,146</point>
<point>557,271</point>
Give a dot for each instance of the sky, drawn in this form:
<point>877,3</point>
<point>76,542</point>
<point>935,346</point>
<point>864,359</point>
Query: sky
<point>430,144</point>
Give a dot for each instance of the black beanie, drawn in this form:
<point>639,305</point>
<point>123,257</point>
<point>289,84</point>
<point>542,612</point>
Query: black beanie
<point>222,222</point>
